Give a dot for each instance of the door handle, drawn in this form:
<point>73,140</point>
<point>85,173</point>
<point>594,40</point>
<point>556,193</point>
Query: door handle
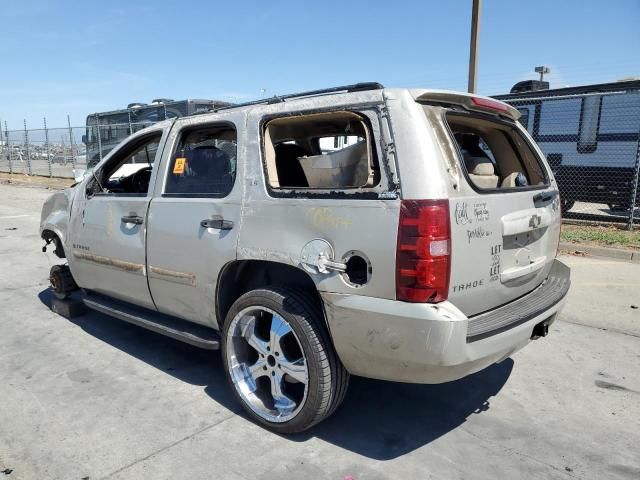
<point>217,223</point>
<point>544,197</point>
<point>136,220</point>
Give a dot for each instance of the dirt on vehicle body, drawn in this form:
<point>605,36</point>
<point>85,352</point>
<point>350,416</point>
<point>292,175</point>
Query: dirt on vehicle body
<point>406,235</point>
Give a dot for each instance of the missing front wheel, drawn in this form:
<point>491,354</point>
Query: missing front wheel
<point>62,282</point>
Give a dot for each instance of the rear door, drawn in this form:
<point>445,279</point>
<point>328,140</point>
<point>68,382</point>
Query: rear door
<point>194,217</point>
<point>505,222</point>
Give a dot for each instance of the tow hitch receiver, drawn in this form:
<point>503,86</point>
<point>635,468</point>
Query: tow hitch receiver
<point>541,329</point>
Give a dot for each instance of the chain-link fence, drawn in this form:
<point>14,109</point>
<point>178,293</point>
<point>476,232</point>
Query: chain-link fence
<point>51,152</point>
<point>592,143</point>
<point>57,152</point>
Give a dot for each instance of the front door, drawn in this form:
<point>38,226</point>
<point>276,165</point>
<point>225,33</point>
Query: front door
<point>194,218</point>
<point>107,234</point>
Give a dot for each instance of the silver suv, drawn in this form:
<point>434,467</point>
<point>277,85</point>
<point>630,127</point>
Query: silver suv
<point>398,234</point>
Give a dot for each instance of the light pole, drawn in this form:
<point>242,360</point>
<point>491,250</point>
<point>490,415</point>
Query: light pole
<point>542,70</point>
<point>473,46</point>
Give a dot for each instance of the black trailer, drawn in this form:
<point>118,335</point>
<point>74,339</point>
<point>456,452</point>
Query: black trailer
<point>107,129</point>
<point>590,135</point>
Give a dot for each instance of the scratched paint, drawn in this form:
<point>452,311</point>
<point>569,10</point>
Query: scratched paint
<point>110,220</point>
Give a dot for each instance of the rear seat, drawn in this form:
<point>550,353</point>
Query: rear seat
<point>479,166</point>
<point>481,171</point>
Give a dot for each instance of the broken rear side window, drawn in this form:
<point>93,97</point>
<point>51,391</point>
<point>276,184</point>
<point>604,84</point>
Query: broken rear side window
<point>495,154</point>
<point>320,151</point>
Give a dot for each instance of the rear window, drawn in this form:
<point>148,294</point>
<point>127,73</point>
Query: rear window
<point>494,154</point>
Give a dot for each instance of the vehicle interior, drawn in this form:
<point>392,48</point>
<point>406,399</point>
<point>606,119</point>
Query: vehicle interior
<point>321,151</point>
<point>204,162</point>
<point>494,154</point>
<point>128,171</point>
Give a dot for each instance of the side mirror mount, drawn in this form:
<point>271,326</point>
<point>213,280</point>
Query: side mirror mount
<point>79,174</point>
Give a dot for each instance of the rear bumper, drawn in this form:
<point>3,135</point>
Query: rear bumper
<point>434,343</point>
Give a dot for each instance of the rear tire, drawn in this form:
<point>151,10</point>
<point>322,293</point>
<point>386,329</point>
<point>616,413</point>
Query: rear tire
<point>279,360</point>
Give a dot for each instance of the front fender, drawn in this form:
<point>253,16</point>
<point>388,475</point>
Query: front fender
<point>55,214</point>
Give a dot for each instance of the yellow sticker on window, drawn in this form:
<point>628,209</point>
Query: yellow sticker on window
<point>179,166</point>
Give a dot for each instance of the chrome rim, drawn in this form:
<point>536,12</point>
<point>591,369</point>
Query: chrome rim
<point>267,364</point>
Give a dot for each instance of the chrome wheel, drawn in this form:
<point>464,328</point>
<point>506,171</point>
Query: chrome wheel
<point>267,364</point>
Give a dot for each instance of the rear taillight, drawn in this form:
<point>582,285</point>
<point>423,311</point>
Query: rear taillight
<point>423,256</point>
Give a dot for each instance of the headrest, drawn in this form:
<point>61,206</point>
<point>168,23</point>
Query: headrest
<point>208,158</point>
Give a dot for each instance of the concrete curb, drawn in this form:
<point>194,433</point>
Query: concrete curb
<point>596,251</point>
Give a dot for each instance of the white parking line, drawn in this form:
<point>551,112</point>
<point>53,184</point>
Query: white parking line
<point>13,216</point>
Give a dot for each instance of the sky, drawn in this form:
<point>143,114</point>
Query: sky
<point>62,58</point>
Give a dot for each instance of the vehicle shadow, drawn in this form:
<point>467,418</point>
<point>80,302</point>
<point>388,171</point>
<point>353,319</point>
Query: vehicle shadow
<point>384,420</point>
<point>184,362</point>
<point>380,420</point>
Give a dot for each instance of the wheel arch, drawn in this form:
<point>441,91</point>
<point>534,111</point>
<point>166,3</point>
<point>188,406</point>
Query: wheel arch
<point>54,220</point>
<point>240,276</point>
<point>51,234</point>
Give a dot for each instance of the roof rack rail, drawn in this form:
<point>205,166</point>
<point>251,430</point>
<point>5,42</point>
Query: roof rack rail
<point>356,87</point>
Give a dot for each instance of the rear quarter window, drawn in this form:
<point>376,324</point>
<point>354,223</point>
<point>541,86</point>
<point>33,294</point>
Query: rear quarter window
<point>331,151</point>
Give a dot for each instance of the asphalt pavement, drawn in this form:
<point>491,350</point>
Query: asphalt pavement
<point>93,397</point>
